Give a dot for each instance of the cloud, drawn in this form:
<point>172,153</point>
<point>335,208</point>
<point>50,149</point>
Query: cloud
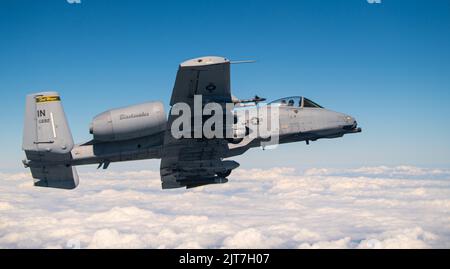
<point>111,238</point>
<point>337,244</point>
<point>250,238</point>
<point>368,207</point>
<point>402,171</point>
<point>406,238</point>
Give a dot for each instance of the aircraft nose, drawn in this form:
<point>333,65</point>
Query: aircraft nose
<point>349,119</point>
<point>351,124</point>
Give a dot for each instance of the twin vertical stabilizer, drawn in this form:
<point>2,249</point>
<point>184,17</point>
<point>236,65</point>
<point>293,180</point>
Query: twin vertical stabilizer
<point>47,142</point>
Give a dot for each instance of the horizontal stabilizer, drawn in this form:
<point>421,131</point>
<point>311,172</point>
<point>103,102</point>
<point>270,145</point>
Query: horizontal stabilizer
<point>60,177</point>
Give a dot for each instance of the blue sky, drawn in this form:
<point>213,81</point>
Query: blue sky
<point>386,64</point>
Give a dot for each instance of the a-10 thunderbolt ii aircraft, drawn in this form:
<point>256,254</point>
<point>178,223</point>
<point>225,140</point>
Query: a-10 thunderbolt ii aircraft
<point>188,158</point>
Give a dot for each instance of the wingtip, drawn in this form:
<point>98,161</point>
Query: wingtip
<point>203,61</point>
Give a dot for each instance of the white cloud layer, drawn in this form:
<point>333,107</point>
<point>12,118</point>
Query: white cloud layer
<point>369,207</point>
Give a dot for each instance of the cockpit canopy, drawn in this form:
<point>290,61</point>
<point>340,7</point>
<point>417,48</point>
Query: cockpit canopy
<point>296,101</point>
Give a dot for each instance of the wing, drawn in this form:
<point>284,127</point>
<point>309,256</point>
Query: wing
<point>193,162</point>
<point>206,76</point>
<point>189,162</point>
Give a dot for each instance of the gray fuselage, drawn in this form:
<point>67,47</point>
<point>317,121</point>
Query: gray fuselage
<point>295,124</point>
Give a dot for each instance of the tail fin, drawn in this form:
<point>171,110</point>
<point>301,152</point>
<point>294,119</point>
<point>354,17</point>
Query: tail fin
<point>47,142</point>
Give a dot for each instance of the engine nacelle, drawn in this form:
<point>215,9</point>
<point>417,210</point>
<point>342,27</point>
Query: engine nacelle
<point>129,122</point>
